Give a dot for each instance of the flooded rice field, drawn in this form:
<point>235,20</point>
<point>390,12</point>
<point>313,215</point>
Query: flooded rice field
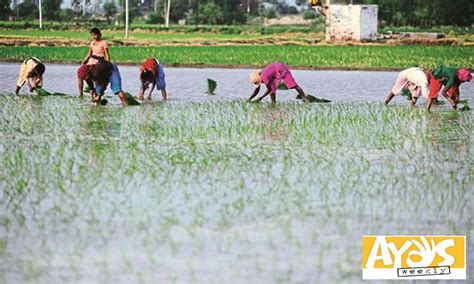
<point>212,189</point>
<point>190,84</point>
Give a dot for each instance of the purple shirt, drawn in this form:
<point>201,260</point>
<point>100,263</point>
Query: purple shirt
<point>272,75</point>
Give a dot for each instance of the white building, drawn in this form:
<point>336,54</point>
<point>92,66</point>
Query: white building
<point>352,22</point>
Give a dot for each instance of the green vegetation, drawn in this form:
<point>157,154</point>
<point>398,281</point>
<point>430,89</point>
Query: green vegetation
<point>216,29</point>
<point>211,86</point>
<point>43,92</point>
<point>425,13</point>
<point>240,185</point>
<point>356,57</point>
<point>464,105</point>
<point>131,100</point>
<point>161,37</point>
<point>313,99</point>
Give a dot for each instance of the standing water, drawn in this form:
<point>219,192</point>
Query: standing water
<point>219,190</point>
<point>190,84</point>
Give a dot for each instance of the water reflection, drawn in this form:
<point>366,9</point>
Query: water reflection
<point>224,190</point>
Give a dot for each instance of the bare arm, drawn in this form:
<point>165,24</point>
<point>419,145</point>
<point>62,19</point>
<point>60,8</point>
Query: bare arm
<point>107,54</point>
<point>80,87</point>
<point>389,98</point>
<point>152,88</point>
<point>453,103</point>
<point>255,92</point>
<point>143,88</point>
<point>263,96</point>
<point>30,86</point>
<point>302,94</point>
<point>267,92</point>
<point>430,103</point>
<point>89,53</point>
<point>90,84</point>
<point>32,82</point>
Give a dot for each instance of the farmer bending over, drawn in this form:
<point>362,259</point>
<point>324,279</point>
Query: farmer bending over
<point>451,78</point>
<point>83,74</point>
<point>271,76</point>
<point>152,72</point>
<point>413,79</point>
<point>102,74</point>
<point>31,72</point>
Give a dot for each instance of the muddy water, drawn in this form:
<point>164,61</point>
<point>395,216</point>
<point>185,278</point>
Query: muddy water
<point>190,84</point>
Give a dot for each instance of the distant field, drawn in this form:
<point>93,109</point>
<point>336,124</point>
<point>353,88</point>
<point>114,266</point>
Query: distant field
<point>166,37</point>
<point>311,57</point>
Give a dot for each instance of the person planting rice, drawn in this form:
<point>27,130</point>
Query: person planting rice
<point>271,76</point>
<point>83,74</point>
<point>152,72</point>
<point>102,74</point>
<point>413,79</point>
<point>31,72</point>
<point>98,51</point>
<point>451,78</point>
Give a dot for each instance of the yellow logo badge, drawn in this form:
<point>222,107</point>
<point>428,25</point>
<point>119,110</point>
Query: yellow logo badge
<point>414,257</point>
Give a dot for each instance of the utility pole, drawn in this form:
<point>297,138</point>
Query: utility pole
<point>197,13</point>
<point>328,20</point>
<point>167,14</point>
<point>126,19</point>
<point>40,14</point>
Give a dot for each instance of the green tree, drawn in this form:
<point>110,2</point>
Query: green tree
<point>233,11</point>
<point>27,10</point>
<point>133,10</point>
<point>178,10</point>
<point>425,13</point>
<point>4,9</point>
<point>110,10</point>
<point>211,14</point>
<point>270,14</point>
<point>51,9</point>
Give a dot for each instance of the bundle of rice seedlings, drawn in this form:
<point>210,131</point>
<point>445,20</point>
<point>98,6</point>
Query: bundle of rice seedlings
<point>131,100</point>
<point>313,99</point>
<point>211,86</point>
<point>282,86</point>
<point>465,105</point>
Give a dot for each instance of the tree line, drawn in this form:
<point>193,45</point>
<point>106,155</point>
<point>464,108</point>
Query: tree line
<point>421,13</point>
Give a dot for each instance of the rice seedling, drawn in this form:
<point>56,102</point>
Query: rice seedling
<point>211,86</point>
<point>131,100</point>
<point>465,105</point>
<point>313,99</point>
<point>282,86</point>
<point>407,94</point>
<point>251,185</point>
<point>43,92</point>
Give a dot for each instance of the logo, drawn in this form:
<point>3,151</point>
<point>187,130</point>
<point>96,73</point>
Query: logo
<point>414,257</point>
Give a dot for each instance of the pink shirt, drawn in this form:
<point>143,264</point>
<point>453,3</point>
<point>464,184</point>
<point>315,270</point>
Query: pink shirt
<point>273,73</point>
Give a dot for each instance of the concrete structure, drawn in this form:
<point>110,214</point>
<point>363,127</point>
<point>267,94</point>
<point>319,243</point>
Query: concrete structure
<point>352,22</point>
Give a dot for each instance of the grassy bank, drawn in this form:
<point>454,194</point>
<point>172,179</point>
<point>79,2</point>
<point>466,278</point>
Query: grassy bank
<point>310,57</point>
